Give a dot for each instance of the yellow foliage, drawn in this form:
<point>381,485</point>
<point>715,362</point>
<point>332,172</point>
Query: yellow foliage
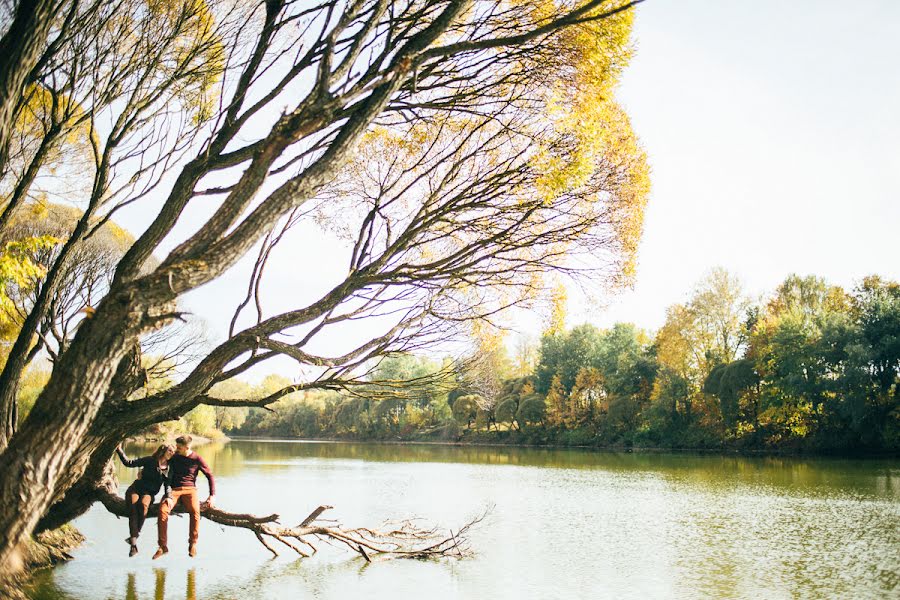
<point>587,399</point>
<point>17,268</point>
<point>197,50</point>
<point>42,107</point>
<point>600,140</point>
<point>488,338</point>
<point>31,385</point>
<point>557,402</point>
<point>793,420</point>
<point>673,346</point>
<point>556,322</point>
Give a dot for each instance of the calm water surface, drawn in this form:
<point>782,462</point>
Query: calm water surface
<point>565,524</point>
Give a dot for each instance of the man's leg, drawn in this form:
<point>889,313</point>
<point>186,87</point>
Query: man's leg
<point>162,525</point>
<point>192,503</point>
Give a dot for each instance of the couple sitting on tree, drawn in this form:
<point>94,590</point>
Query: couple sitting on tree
<point>175,469</point>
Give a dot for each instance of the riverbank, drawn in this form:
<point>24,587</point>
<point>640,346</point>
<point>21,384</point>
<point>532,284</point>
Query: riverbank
<point>198,440</point>
<point>43,551</point>
<point>723,451</point>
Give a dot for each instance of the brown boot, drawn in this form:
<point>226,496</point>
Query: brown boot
<point>133,550</point>
<point>192,550</point>
<point>160,551</point>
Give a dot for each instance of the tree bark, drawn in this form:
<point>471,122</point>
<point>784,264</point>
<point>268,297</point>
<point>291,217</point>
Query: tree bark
<point>20,50</point>
<point>34,477</point>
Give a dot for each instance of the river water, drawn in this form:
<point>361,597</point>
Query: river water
<point>563,524</point>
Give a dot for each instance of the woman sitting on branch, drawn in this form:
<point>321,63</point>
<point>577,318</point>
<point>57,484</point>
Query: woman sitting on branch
<point>139,495</point>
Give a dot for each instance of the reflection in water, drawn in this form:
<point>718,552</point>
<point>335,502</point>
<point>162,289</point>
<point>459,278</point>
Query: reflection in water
<point>191,585</point>
<point>131,588</point>
<point>567,523</point>
<point>161,584</point>
<point>159,590</point>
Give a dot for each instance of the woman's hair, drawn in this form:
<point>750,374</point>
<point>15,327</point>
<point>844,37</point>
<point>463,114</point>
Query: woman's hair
<point>162,450</point>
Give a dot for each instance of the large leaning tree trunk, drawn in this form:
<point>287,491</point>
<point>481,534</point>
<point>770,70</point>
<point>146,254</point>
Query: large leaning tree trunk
<point>461,149</point>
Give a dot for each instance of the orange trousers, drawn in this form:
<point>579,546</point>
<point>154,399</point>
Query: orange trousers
<point>188,498</point>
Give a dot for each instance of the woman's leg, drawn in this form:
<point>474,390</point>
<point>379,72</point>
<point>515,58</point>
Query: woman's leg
<point>146,501</point>
<point>132,501</point>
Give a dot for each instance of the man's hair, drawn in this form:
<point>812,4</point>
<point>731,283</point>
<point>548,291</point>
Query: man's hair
<point>184,440</point>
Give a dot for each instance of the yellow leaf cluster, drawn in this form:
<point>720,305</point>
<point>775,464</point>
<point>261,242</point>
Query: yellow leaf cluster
<point>17,268</point>
<point>598,140</point>
<point>556,322</point>
<point>198,50</point>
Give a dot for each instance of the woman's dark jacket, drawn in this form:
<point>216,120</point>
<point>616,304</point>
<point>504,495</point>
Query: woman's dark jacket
<point>151,477</point>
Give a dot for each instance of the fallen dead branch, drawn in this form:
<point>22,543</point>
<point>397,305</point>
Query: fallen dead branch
<point>395,539</point>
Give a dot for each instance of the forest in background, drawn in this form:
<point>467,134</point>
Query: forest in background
<point>810,368</point>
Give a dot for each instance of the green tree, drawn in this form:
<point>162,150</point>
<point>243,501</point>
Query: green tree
<point>465,409</point>
<point>735,384</point>
<point>667,414</point>
<point>628,367</point>
<point>799,357</point>
<point>564,354</point>
<point>506,412</point>
<point>513,392</point>
<point>532,410</point>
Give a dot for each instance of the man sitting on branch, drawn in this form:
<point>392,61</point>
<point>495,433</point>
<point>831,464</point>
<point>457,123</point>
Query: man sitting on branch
<point>183,468</point>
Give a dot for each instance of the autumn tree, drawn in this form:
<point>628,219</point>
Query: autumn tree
<point>800,346</point>
<point>557,403</point>
<point>702,333</point>
<point>80,284</point>
<point>588,399</point>
<point>485,371</point>
<point>463,150</point>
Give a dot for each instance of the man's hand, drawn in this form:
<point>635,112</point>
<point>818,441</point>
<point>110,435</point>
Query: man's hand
<point>210,502</point>
<point>169,502</point>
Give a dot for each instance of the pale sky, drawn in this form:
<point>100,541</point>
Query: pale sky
<point>773,132</point>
